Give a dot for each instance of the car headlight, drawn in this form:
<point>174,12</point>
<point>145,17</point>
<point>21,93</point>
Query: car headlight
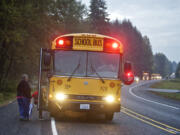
<point>60,96</point>
<point>109,99</point>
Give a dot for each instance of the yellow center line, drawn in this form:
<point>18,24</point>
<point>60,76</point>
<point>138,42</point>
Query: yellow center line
<point>148,122</point>
<point>157,122</point>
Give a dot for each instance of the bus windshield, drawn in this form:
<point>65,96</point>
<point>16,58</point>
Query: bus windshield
<point>105,64</point>
<point>86,64</point>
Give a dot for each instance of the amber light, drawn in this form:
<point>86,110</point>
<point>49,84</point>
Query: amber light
<point>112,84</point>
<point>50,96</point>
<point>59,82</point>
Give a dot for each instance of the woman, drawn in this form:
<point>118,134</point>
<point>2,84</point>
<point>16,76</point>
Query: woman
<point>23,97</point>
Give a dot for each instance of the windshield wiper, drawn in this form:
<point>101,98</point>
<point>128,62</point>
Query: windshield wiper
<point>93,69</point>
<point>69,78</point>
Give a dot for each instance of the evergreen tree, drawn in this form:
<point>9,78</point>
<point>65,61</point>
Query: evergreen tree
<point>174,66</point>
<point>26,26</point>
<point>137,48</point>
<point>69,14</point>
<point>178,71</point>
<point>161,64</point>
<point>98,16</point>
<point>147,55</point>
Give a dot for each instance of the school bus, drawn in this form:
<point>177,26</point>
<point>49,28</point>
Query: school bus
<point>156,76</point>
<point>83,72</point>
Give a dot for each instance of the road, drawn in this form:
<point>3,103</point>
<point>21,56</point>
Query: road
<point>143,113</point>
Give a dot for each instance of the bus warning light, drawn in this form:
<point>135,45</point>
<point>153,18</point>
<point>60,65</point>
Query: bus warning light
<point>61,42</point>
<point>115,45</point>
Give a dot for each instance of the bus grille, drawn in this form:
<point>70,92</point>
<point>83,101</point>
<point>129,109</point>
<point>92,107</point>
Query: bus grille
<point>85,97</point>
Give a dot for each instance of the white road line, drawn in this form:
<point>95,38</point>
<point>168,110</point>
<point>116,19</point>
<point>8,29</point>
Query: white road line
<point>53,126</point>
<point>130,91</point>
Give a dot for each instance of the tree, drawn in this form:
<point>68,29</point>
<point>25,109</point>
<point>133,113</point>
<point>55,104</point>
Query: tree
<point>174,66</point>
<point>69,14</point>
<point>11,34</point>
<point>161,64</point>
<point>28,25</point>
<point>178,71</point>
<point>98,16</point>
<point>147,55</point>
<point>137,48</point>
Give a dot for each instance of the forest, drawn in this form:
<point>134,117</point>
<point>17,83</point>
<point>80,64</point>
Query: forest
<point>28,25</point>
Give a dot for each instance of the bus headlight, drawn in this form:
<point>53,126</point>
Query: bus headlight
<point>60,96</point>
<point>109,99</point>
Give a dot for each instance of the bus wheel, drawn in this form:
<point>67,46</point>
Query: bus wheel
<point>109,116</point>
<point>57,115</point>
<point>52,108</point>
<point>54,114</point>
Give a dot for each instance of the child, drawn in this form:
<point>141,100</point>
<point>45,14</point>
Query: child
<point>35,97</point>
<point>34,100</point>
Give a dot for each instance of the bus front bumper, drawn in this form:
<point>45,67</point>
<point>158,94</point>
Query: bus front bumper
<point>89,106</point>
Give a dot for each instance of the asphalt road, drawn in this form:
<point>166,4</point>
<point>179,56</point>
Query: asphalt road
<point>143,113</point>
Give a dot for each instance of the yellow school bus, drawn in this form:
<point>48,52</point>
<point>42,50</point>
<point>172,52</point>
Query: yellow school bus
<point>156,76</point>
<point>83,72</point>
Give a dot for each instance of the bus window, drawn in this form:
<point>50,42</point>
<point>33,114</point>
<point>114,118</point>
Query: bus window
<point>66,61</point>
<point>105,64</point>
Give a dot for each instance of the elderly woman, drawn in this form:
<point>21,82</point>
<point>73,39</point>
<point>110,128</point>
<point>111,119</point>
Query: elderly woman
<point>24,97</point>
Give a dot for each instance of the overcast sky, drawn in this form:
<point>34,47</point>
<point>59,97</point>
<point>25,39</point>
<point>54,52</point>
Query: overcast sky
<point>158,19</point>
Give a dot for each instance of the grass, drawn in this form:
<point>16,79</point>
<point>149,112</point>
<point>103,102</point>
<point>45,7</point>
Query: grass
<point>168,84</point>
<point>5,97</point>
<point>8,93</point>
<point>175,96</point>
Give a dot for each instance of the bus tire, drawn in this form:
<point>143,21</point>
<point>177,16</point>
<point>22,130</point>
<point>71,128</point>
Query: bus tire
<point>54,111</point>
<point>109,116</point>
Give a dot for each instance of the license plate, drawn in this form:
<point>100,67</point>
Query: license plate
<point>85,106</point>
<point>88,43</point>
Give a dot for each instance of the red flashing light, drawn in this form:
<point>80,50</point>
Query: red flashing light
<point>64,43</point>
<point>111,45</point>
<point>128,78</point>
<point>129,74</point>
<point>115,45</point>
<point>60,42</point>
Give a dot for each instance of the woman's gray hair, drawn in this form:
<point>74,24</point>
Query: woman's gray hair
<point>24,77</point>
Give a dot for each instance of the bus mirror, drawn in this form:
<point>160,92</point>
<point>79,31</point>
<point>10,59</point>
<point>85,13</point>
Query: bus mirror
<point>128,76</point>
<point>127,67</point>
<point>47,58</point>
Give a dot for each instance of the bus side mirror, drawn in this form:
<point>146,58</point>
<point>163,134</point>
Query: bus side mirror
<point>47,58</point>
<point>128,76</point>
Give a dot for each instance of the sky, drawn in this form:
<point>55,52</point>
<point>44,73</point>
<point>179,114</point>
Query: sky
<point>158,19</point>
